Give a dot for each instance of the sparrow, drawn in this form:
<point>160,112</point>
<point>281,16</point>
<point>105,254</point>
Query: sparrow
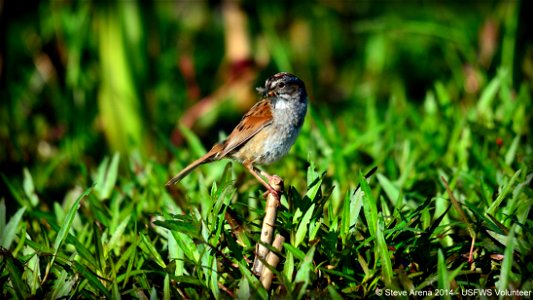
<point>265,133</point>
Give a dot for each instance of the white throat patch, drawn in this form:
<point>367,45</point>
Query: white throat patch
<point>281,104</point>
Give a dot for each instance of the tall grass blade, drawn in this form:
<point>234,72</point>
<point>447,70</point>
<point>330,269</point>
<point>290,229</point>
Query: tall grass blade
<point>10,230</point>
<point>304,272</point>
<point>369,206</point>
<point>442,269</point>
<point>505,272</point>
<point>303,226</point>
<point>383,250</point>
<point>107,177</point>
<point>93,280</point>
<point>65,228</point>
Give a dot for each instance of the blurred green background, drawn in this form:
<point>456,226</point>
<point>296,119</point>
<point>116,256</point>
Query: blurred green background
<point>81,80</point>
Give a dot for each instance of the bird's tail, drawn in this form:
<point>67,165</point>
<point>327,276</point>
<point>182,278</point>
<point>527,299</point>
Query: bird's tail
<point>208,157</point>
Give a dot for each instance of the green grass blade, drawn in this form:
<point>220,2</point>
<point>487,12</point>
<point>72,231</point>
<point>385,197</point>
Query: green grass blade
<point>442,270</point>
<point>98,248</point>
<point>383,250</point>
<point>303,226</point>
<point>2,216</point>
<point>299,254</point>
<point>152,251</point>
<point>29,188</point>
<point>333,294</point>
<point>63,285</point>
<point>288,268</point>
<point>506,189</point>
<point>505,273</point>
<point>392,192</point>
<point>305,270</point>
<point>487,97</point>
<point>243,292</point>
<point>369,206</point>
<point>356,203</point>
<point>175,254</point>
<point>166,288</point>
<point>14,191</point>
<point>10,230</point>
<point>213,277</point>
<point>511,153</point>
<point>15,274</point>
<point>254,281</point>
<point>107,177</point>
<point>116,237</point>
<point>33,271</point>
<point>93,280</point>
<point>188,246</point>
<point>345,220</point>
<point>116,292</point>
<point>65,227</point>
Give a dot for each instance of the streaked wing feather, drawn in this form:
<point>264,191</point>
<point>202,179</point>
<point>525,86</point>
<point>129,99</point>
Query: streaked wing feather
<point>257,118</point>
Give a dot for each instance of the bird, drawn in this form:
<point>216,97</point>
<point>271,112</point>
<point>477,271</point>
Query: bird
<point>265,133</point>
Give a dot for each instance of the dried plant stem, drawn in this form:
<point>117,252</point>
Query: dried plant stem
<point>272,260</point>
<point>267,230</point>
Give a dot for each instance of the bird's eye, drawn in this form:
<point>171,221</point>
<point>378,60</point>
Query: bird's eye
<point>281,85</point>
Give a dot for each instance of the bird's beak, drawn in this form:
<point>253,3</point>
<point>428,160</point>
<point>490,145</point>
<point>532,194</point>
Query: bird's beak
<point>271,94</point>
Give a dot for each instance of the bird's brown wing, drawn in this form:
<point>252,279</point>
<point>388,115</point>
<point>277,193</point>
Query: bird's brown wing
<point>257,118</point>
